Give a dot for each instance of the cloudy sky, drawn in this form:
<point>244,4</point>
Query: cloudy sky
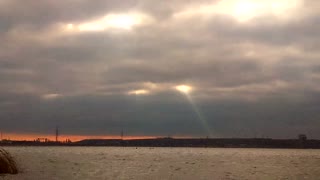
<point>218,68</point>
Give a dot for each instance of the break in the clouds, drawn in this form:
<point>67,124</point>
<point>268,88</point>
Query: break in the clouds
<point>223,68</point>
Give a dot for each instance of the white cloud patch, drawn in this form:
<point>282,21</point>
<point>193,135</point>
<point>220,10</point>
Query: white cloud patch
<point>246,10</point>
<point>116,22</point>
<point>139,92</point>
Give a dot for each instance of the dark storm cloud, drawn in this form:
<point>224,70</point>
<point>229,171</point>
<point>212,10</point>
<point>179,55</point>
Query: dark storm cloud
<point>260,76</point>
<point>166,114</point>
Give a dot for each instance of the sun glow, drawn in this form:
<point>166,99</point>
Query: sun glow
<point>110,21</point>
<point>51,96</point>
<point>246,10</point>
<point>139,92</point>
<point>184,88</point>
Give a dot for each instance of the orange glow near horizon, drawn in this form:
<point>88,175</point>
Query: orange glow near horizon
<point>73,138</point>
<point>31,137</point>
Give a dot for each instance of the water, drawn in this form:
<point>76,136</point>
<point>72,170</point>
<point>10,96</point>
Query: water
<point>164,163</point>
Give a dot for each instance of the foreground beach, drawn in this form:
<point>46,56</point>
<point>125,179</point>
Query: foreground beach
<point>163,163</point>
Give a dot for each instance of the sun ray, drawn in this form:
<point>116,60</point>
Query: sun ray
<point>200,116</point>
<point>185,89</point>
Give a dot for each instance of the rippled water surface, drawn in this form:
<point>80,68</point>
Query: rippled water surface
<point>164,163</point>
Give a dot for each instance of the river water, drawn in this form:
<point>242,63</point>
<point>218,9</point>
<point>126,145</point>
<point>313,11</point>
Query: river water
<point>164,163</point>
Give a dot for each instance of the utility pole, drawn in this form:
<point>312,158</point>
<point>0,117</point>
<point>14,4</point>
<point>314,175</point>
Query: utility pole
<point>57,133</point>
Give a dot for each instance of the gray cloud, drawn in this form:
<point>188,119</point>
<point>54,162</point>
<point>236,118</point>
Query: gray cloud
<point>259,76</point>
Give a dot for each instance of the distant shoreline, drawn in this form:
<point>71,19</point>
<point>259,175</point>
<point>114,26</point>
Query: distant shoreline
<point>182,142</point>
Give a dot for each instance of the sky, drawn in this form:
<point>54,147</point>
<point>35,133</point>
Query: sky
<point>149,68</point>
